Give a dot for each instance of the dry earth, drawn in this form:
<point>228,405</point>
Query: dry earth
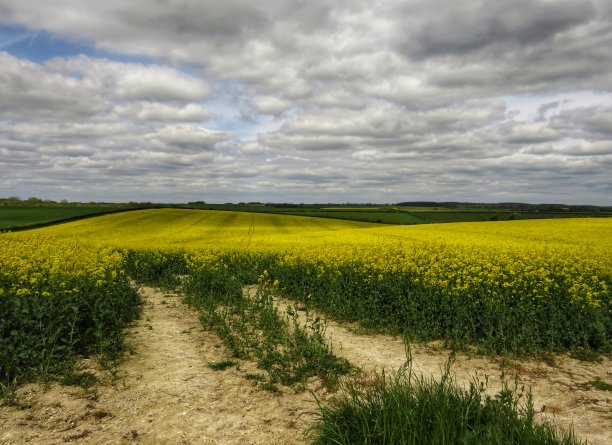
<point>560,390</point>
<point>164,392</point>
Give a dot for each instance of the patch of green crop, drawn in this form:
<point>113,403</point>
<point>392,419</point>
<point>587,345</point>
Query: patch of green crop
<point>409,410</point>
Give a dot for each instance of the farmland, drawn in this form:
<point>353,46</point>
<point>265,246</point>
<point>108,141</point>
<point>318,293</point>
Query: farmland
<point>24,215</point>
<point>21,216</point>
<point>504,287</point>
<point>495,285</point>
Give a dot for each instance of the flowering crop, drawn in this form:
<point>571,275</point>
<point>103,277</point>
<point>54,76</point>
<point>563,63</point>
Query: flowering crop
<point>516,286</point>
<point>58,298</point>
<point>508,286</point>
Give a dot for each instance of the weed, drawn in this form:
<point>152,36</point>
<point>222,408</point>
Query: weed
<point>252,327</point>
<point>598,384</point>
<point>255,377</point>
<point>405,409</point>
<point>269,386</point>
<point>84,379</point>
<point>101,414</point>
<point>222,365</point>
<point>8,393</point>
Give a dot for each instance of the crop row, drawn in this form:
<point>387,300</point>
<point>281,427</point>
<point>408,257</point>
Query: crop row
<point>59,299</point>
<point>534,288</point>
<point>514,301</point>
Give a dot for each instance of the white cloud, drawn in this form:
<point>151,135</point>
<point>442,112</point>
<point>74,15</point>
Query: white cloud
<point>29,90</point>
<point>184,138</point>
<point>253,148</point>
<point>159,83</point>
<point>153,111</point>
<point>270,105</point>
<point>469,100</point>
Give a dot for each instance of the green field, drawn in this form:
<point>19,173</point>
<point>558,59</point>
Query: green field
<point>404,214</point>
<point>12,217</point>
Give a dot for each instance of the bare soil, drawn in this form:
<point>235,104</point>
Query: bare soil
<point>559,386</point>
<point>560,390</point>
<point>164,392</point>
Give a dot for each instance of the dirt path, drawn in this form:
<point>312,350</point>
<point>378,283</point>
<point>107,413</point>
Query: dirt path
<point>165,394</point>
<point>560,390</point>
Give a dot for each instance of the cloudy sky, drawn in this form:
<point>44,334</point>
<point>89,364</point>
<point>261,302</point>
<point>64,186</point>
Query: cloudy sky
<point>306,101</point>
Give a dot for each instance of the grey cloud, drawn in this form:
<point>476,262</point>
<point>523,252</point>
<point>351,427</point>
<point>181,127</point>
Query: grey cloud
<point>586,122</point>
<point>302,51</point>
<point>547,107</point>
<point>394,98</point>
<point>153,111</point>
<point>160,84</point>
<point>133,81</point>
<point>531,133</point>
<point>185,138</point>
<point>465,27</point>
<point>382,127</point>
<point>28,90</point>
<point>589,149</point>
<point>315,178</point>
<point>42,133</point>
<point>270,105</point>
<point>253,148</point>
<point>76,150</point>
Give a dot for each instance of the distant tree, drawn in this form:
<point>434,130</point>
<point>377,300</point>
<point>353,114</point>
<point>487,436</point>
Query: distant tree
<point>33,200</point>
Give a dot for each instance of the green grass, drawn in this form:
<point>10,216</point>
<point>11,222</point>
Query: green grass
<point>222,365</point>
<point>375,216</point>
<point>289,350</point>
<point>404,409</point>
<point>12,217</point>
<point>599,384</point>
<point>403,214</point>
<point>84,379</point>
<point>22,217</point>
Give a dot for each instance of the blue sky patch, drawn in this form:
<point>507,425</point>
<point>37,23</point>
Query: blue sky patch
<point>39,46</point>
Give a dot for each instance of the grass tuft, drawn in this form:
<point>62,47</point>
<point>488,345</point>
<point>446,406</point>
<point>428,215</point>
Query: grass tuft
<point>599,384</point>
<point>405,409</point>
<point>222,365</point>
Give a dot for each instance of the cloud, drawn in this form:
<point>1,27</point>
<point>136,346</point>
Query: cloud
<point>585,122</point>
<point>134,80</point>
<point>466,27</point>
<point>183,138</point>
<point>161,84</point>
<point>270,105</point>
<point>27,88</point>
<point>253,148</point>
<point>277,100</point>
<point>531,133</point>
<point>154,111</point>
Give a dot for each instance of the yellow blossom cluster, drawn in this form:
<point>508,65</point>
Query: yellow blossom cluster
<point>38,266</point>
<point>533,259</point>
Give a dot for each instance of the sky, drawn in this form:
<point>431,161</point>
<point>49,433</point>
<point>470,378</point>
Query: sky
<point>319,101</point>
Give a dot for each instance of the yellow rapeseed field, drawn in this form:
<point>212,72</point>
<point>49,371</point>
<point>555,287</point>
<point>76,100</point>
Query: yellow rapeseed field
<point>58,298</point>
<point>189,229</point>
<point>530,257</point>
<point>464,281</point>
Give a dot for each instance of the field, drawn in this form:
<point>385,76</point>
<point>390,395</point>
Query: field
<point>408,215</point>
<point>21,216</point>
<point>518,288</point>
<point>25,216</point>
